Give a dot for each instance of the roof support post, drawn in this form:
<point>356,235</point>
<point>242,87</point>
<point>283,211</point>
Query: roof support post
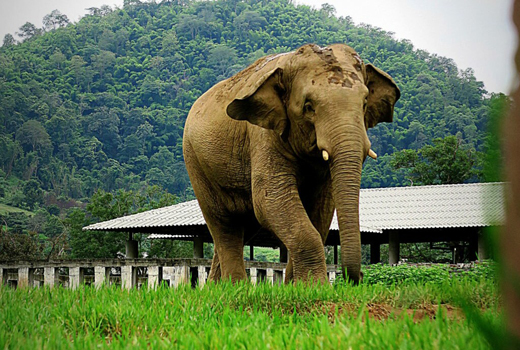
<point>473,246</point>
<point>393,247</point>
<point>198,248</point>
<point>251,253</point>
<point>482,251</point>
<point>283,254</point>
<point>335,254</point>
<point>132,247</point>
<point>375,252</point>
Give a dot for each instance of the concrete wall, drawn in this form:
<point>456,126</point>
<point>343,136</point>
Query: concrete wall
<point>172,272</point>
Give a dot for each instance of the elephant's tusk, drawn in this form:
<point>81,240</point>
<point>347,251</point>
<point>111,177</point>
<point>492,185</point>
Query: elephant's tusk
<point>372,154</point>
<point>325,155</point>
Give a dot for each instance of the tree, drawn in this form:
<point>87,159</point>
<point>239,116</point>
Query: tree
<point>447,161</point>
<point>55,20</point>
<point>32,134</point>
<point>33,193</point>
<point>221,57</point>
<point>18,246</point>
<point>8,40</point>
<point>28,31</point>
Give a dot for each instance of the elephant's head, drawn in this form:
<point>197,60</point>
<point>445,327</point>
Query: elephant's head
<point>321,101</point>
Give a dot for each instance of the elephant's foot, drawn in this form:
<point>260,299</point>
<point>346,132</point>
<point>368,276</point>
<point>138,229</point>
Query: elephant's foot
<point>307,269</point>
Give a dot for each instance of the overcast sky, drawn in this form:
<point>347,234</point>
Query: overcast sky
<point>474,33</point>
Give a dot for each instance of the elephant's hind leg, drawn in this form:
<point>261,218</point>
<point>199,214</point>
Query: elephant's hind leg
<point>228,261</point>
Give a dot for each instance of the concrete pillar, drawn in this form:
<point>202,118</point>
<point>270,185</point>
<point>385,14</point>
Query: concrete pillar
<point>25,277</point>
<point>332,276</point>
<point>198,248</point>
<point>76,277</point>
<point>283,275</point>
<point>335,254</point>
<point>393,247</point>
<point>253,275</point>
<point>251,253</point>
<point>283,254</point>
<point>132,249</point>
<point>270,275</point>
<point>101,276</point>
<point>2,278</point>
<point>375,252</point>
<point>482,251</point>
<point>278,277</point>
<point>50,277</point>
<point>154,276</point>
<point>128,277</point>
<point>181,275</point>
<point>169,275</point>
<point>203,276</point>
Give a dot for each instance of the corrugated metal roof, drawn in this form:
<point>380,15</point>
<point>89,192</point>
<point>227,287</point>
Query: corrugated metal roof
<point>165,236</point>
<point>182,214</point>
<point>441,206</point>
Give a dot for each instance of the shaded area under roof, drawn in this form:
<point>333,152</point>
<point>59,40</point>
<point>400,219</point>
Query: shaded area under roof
<point>418,207</point>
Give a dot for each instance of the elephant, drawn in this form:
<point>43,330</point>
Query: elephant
<point>278,147</point>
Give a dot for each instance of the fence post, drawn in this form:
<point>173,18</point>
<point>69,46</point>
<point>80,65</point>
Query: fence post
<point>270,275</point>
<point>128,276</point>
<point>50,277</point>
<point>203,276</point>
<point>154,276</point>
<point>253,275</point>
<point>25,277</point>
<point>181,275</point>
<point>76,277</point>
<point>101,275</point>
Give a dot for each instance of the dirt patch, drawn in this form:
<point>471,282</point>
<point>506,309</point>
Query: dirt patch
<point>381,312</point>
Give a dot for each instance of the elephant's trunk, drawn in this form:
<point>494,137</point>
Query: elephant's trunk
<point>348,148</point>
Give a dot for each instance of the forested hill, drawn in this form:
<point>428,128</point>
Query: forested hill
<point>101,104</point>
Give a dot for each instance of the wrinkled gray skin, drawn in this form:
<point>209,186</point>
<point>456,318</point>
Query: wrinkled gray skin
<point>253,149</point>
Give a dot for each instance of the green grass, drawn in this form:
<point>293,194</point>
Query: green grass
<point>5,209</point>
<point>243,316</point>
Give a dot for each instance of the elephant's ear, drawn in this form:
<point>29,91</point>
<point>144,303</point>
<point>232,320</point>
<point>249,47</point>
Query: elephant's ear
<point>261,103</point>
<point>382,96</point>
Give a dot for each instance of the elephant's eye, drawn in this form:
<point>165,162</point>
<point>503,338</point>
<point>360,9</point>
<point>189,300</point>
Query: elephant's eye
<point>307,108</point>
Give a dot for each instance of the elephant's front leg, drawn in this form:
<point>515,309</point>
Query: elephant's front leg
<point>278,208</point>
<point>317,199</point>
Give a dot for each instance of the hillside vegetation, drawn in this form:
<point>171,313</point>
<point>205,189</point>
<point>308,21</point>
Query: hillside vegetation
<point>101,104</point>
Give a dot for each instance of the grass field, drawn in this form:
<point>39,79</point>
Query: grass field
<point>4,209</point>
<point>224,316</point>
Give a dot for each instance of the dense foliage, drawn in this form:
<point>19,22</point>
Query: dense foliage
<point>101,104</point>
<point>437,274</point>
